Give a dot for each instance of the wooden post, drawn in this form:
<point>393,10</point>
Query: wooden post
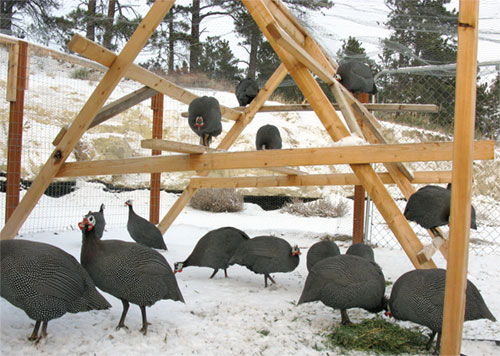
<point>154,202</point>
<point>15,139</point>
<point>358,222</point>
<point>465,108</point>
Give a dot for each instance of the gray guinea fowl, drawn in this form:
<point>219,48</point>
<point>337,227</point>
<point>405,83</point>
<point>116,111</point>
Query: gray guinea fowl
<point>214,250</point>
<point>357,77</point>
<point>430,208</point>
<point>418,296</point>
<point>266,255</point>
<point>204,118</point>
<point>46,282</point>
<point>143,231</point>
<point>321,250</point>
<point>361,250</point>
<point>131,272</point>
<point>246,90</point>
<point>268,138</point>
<point>344,282</point>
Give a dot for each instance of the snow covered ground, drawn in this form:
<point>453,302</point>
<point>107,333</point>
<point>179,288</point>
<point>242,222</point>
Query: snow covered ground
<point>224,316</point>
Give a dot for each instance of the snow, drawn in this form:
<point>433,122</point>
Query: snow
<point>230,316</point>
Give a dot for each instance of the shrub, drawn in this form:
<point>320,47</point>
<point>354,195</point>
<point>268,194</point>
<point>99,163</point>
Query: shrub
<point>321,207</point>
<point>217,200</point>
<point>80,73</point>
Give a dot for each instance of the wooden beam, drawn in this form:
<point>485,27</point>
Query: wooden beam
<point>358,155</point>
<point>93,51</point>
<point>12,72</point>
<point>101,93</point>
<point>394,107</point>
<point>112,109</point>
<point>424,177</point>
<point>465,110</point>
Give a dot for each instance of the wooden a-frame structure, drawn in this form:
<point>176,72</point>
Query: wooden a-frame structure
<point>303,59</point>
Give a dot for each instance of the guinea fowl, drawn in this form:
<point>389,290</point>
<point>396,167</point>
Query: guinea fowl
<point>268,138</point>
<point>100,221</point>
<point>357,77</point>
<point>204,118</point>
<point>265,255</point>
<point>418,296</point>
<point>361,250</point>
<point>214,250</point>
<point>131,272</point>
<point>143,231</point>
<point>430,208</point>
<point>344,282</point>
<point>321,250</point>
<point>246,90</point>
<point>46,282</point>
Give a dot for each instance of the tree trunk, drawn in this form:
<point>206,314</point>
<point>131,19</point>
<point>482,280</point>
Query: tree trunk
<point>91,20</point>
<point>195,47</point>
<point>171,43</point>
<point>6,8</point>
<point>108,25</point>
<point>252,62</point>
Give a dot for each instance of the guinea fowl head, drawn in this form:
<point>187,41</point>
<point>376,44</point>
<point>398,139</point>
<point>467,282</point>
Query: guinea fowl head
<point>296,251</point>
<point>199,122</point>
<point>87,223</point>
<point>178,267</point>
<point>338,77</point>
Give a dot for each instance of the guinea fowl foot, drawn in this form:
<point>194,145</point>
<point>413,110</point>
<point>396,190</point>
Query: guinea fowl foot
<point>213,274</point>
<point>145,323</point>
<point>118,327</point>
<point>43,333</point>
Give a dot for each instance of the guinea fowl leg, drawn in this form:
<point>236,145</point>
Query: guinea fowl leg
<point>438,344</point>
<point>344,317</point>
<point>225,272</point>
<point>266,276</point>
<point>34,334</point>
<point>43,333</point>
<point>431,339</point>
<point>145,323</point>
<point>213,274</point>
<point>121,324</point>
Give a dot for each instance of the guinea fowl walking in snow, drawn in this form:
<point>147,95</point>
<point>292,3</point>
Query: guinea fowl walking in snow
<point>246,90</point>
<point>268,138</point>
<point>344,282</point>
<point>265,255</point>
<point>361,250</point>
<point>214,250</point>
<point>46,282</point>
<point>204,118</point>
<point>430,208</point>
<point>143,231</point>
<point>131,272</point>
<point>321,250</point>
<point>418,296</point>
<point>356,77</point>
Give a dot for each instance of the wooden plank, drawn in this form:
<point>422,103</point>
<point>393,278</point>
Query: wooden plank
<point>465,111</point>
<point>430,108</point>
<point>12,72</point>
<point>93,51</point>
<point>423,177</point>
<point>174,146</point>
<point>408,152</point>
<point>157,133</point>
<point>112,109</point>
<point>82,121</point>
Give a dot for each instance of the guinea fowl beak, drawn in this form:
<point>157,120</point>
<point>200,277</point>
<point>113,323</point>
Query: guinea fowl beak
<point>84,223</point>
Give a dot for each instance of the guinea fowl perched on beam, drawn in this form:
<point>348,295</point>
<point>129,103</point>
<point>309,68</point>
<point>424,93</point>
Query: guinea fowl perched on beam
<point>131,272</point>
<point>356,77</point>
<point>246,90</point>
<point>214,250</point>
<point>344,282</point>
<point>46,282</point>
<point>418,296</point>
<point>266,255</point>
<point>321,250</point>
<point>430,208</point>
<point>204,118</point>
<point>268,138</point>
<point>143,231</point>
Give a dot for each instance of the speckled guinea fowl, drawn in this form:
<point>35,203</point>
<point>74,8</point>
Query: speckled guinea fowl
<point>214,250</point>
<point>356,76</point>
<point>361,250</point>
<point>143,231</point>
<point>266,255</point>
<point>321,250</point>
<point>204,118</point>
<point>344,282</point>
<point>418,296</point>
<point>46,282</point>
<point>246,90</point>
<point>430,208</point>
<point>268,138</point>
<point>131,272</point>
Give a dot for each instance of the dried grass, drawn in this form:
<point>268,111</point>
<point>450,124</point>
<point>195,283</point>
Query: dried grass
<point>321,207</point>
<point>217,200</point>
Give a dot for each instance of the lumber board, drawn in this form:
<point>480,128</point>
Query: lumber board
<point>97,99</point>
<point>97,53</point>
<point>394,107</point>
<point>12,72</point>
